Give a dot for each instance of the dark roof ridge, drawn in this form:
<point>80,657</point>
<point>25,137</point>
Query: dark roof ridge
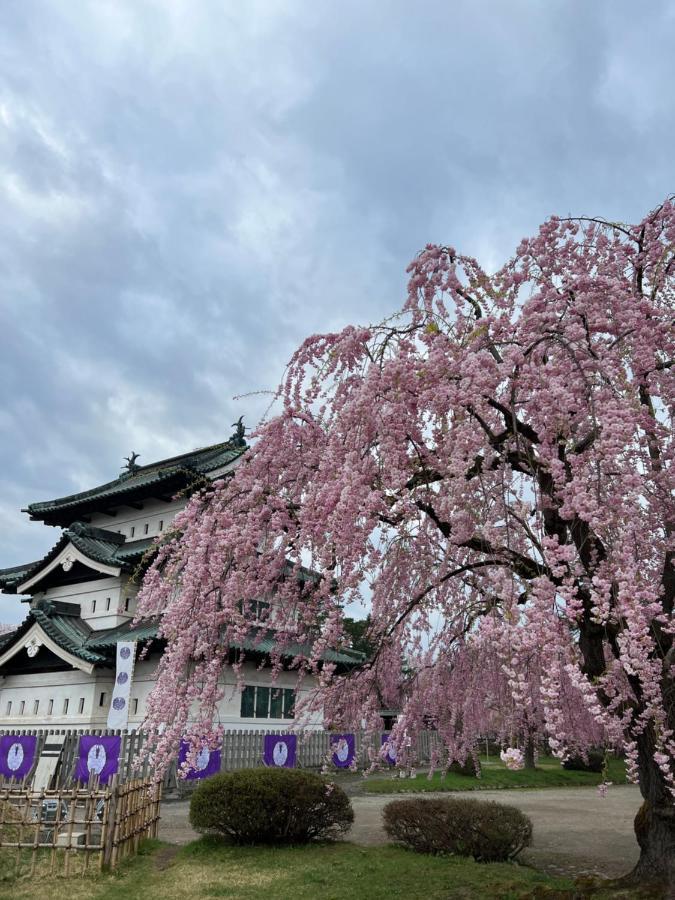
<point>182,456</point>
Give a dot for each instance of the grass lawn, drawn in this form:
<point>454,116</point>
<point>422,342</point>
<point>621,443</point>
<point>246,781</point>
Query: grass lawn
<point>495,775</point>
<point>209,869</point>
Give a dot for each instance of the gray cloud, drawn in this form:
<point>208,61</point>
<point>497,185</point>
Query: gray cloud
<point>189,188</point>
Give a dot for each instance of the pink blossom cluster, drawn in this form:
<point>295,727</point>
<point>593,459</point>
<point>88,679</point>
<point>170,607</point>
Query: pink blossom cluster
<point>512,758</point>
<point>603,787</point>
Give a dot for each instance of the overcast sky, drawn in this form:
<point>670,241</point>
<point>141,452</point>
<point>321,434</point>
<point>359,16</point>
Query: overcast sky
<point>190,188</point>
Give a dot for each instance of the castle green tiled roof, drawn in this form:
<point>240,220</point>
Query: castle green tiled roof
<point>106,640</point>
<point>264,644</point>
<point>62,622</point>
<point>97,544</point>
<point>15,575</point>
<point>164,478</point>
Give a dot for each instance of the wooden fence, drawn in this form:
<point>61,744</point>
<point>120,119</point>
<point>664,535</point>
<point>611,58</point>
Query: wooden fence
<point>241,749</point>
<point>67,832</point>
<point>62,745</point>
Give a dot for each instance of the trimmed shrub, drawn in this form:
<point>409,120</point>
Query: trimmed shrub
<point>468,767</point>
<point>490,832</point>
<point>270,806</point>
<point>593,763</point>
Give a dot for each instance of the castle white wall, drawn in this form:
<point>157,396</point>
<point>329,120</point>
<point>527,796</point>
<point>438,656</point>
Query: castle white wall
<point>102,603</point>
<point>139,524</point>
<point>88,698</point>
<point>50,693</point>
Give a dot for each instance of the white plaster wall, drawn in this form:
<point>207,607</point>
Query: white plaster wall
<point>156,515</point>
<point>229,708</point>
<point>110,595</point>
<point>75,685</point>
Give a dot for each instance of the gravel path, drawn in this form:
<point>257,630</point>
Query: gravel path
<point>575,831</point>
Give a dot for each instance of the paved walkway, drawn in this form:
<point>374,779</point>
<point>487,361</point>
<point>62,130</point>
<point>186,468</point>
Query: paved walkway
<point>575,831</point>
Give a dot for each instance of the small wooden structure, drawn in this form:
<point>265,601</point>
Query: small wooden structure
<point>68,831</point>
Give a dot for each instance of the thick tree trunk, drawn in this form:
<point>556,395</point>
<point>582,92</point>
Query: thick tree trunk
<point>529,752</point>
<point>654,823</point>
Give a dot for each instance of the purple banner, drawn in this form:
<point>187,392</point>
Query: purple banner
<point>344,750</point>
<point>207,763</point>
<point>97,755</point>
<point>17,755</point>
<point>279,750</point>
<point>390,755</point>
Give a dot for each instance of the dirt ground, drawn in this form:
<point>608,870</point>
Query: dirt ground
<point>575,831</point>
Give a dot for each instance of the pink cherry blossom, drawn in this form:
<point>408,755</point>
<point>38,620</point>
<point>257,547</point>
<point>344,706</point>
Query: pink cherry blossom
<point>512,758</point>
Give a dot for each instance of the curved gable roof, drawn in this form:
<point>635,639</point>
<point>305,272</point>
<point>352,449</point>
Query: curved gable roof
<point>165,477</point>
<point>105,550</point>
<point>60,628</point>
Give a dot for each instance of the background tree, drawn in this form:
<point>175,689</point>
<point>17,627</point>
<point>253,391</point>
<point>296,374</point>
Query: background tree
<point>357,632</point>
<point>496,463</point>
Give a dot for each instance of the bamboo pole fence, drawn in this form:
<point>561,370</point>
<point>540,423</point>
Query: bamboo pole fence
<point>70,831</point>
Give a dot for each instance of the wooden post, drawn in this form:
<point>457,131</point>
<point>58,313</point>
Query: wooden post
<point>36,836</point>
<point>110,818</point>
<point>156,807</point>
<point>119,822</point>
<point>71,821</point>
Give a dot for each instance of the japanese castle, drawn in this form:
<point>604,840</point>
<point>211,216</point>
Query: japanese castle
<point>58,667</point>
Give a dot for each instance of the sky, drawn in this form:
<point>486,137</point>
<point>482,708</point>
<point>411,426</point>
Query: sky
<point>189,188</point>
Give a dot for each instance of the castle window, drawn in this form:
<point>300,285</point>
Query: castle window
<point>93,606</point>
<point>133,531</point>
<point>277,704</point>
<point>257,610</point>
<point>22,707</point>
<point>36,706</point>
<point>289,703</point>
<point>161,524</point>
<point>146,528</point>
<point>262,702</point>
<point>50,707</point>
<point>101,699</point>
<point>248,702</point>
<point>80,708</point>
<point>107,603</point>
<point>66,704</point>
<point>134,706</point>
<point>126,604</point>
<point>9,708</point>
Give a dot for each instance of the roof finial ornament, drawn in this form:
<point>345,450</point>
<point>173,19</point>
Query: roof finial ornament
<point>132,465</point>
<point>238,439</point>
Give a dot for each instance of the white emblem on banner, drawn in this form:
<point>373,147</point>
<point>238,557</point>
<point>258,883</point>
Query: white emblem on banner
<point>118,714</point>
<point>342,751</point>
<point>280,753</point>
<point>202,760</point>
<point>96,758</point>
<point>15,757</point>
